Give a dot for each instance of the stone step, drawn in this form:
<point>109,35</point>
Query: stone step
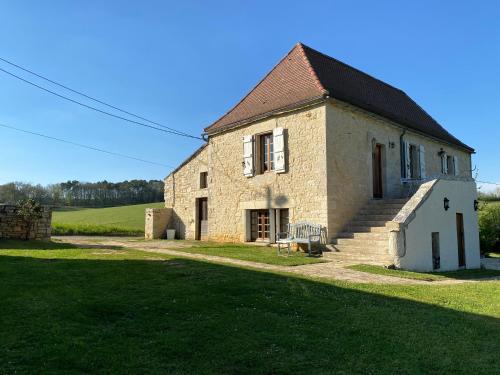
<point>360,242</point>
<point>388,201</point>
<point>364,235</point>
<point>374,217</point>
<point>369,210</point>
<point>386,204</point>
<point>359,249</point>
<point>366,229</point>
<point>368,223</point>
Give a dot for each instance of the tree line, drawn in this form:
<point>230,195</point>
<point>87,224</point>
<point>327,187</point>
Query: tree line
<point>85,194</point>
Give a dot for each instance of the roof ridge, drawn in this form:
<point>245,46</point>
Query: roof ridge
<point>257,85</point>
<point>311,69</point>
<point>350,67</point>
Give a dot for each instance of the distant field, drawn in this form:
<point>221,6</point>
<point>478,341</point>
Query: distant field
<point>124,220</point>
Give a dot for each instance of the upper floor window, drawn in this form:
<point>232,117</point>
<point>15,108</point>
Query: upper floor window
<point>266,152</point>
<point>203,180</point>
<point>413,161</point>
<point>450,168</point>
<point>449,164</point>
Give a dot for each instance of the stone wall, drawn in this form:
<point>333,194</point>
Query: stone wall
<point>351,134</point>
<point>12,227</point>
<point>156,222</point>
<point>301,189</point>
<point>182,188</point>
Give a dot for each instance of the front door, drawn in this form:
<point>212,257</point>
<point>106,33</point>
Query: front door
<point>202,208</point>
<point>377,171</point>
<point>460,240</point>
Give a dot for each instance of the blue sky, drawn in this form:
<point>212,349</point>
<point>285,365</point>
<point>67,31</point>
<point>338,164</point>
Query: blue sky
<point>186,63</point>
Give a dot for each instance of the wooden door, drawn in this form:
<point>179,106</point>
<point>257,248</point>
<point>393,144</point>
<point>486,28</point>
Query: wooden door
<point>260,225</point>
<point>202,219</point>
<point>377,171</point>
<point>460,240</point>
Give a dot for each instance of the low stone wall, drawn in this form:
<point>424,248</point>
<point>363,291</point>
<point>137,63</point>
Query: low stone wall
<point>156,222</point>
<point>13,227</point>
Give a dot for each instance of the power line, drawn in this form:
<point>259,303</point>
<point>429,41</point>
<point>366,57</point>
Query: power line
<point>90,97</point>
<point>175,132</point>
<point>85,146</point>
<point>489,183</point>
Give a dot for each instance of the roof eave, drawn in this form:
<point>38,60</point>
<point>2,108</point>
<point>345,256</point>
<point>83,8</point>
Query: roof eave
<point>304,103</point>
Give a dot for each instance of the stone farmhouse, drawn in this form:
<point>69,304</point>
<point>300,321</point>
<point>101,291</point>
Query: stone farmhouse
<point>317,140</point>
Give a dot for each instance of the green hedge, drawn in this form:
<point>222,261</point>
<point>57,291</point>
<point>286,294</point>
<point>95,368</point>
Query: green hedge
<point>59,229</point>
<point>489,227</point>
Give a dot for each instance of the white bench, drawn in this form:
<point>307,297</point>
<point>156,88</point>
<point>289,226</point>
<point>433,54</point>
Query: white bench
<point>301,232</point>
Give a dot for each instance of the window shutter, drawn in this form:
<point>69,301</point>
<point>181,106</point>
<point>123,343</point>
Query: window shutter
<point>421,160</point>
<point>279,150</point>
<point>248,162</point>
<point>455,166</point>
<point>444,164</point>
<point>407,160</point>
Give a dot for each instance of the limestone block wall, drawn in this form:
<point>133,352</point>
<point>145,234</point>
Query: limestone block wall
<point>156,222</point>
<point>12,227</point>
<point>182,188</point>
<point>302,189</point>
<point>351,133</point>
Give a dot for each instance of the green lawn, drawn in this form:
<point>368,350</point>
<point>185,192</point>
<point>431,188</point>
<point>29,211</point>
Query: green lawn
<point>124,220</point>
<point>427,276</point>
<point>113,311</point>
<point>261,254</point>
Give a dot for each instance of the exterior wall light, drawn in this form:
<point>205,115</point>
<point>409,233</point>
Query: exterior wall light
<point>476,204</point>
<point>446,203</point>
<point>441,152</point>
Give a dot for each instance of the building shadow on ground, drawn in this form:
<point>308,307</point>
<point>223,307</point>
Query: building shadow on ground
<point>184,316</point>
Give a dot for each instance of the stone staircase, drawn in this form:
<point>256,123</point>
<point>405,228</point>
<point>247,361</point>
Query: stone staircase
<point>366,238</point>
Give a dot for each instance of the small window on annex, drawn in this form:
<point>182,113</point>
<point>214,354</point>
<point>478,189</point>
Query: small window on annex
<point>203,180</point>
<point>436,258</point>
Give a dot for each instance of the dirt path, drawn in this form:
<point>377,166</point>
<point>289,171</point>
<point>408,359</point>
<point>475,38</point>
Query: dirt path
<point>332,270</point>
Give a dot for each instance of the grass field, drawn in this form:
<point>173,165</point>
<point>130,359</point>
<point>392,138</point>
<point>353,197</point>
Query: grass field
<point>260,254</point>
<point>427,276</point>
<point>124,220</point>
<point>112,310</point>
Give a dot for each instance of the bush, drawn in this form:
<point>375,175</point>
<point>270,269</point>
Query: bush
<point>59,229</point>
<point>489,227</point>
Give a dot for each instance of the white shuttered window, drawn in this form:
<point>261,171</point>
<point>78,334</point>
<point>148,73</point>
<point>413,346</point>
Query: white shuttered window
<point>421,160</point>
<point>455,166</point>
<point>279,150</point>
<point>248,159</point>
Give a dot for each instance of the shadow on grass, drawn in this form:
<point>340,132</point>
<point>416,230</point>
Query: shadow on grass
<point>50,245</point>
<point>181,316</point>
<point>470,274</point>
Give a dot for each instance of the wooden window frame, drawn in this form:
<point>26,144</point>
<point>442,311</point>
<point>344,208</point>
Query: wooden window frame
<point>266,150</point>
<point>414,161</point>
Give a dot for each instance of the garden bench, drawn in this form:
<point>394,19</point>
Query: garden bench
<point>301,232</point>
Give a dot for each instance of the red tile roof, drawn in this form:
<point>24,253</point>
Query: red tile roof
<point>305,75</point>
